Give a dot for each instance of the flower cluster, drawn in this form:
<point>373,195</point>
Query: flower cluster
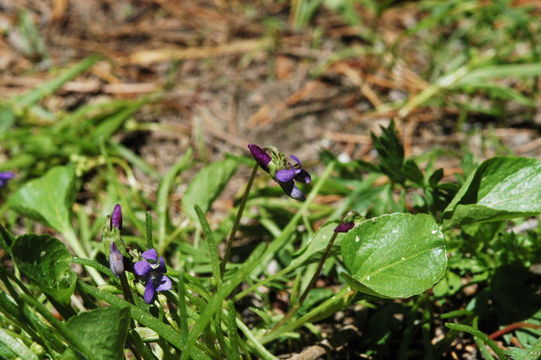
<point>281,170</point>
<point>5,176</point>
<point>152,269</point>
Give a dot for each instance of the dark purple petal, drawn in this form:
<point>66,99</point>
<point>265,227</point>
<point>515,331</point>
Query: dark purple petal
<point>149,291</point>
<point>142,268</point>
<point>116,217</point>
<point>259,155</point>
<point>303,176</point>
<point>344,227</point>
<point>161,267</point>
<point>165,284</point>
<point>291,190</point>
<point>285,175</point>
<point>116,260</point>
<point>150,254</point>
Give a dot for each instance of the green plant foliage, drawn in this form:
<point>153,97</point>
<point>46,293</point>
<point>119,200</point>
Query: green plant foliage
<point>394,256</point>
<point>207,185</point>
<point>501,188</point>
<point>45,260</point>
<point>102,330</point>
<point>48,199</point>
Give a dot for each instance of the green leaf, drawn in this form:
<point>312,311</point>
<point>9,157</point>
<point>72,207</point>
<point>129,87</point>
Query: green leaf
<point>501,188</point>
<point>394,256</point>
<point>15,346</point>
<point>48,199</point>
<point>207,185</point>
<point>45,260</point>
<point>102,330</point>
<point>315,246</point>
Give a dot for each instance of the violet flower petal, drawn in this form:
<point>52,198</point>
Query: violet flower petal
<point>259,155</point>
<point>116,217</point>
<point>297,161</point>
<point>5,176</point>
<point>150,254</point>
<point>165,284</point>
<point>142,268</point>
<point>149,292</point>
<point>285,175</point>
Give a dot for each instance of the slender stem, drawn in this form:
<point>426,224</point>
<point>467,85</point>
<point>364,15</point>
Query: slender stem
<point>237,220</point>
<point>318,270</point>
<point>296,307</point>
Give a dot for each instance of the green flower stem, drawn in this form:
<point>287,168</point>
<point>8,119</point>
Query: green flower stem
<point>227,253</point>
<point>72,240</point>
<point>318,270</point>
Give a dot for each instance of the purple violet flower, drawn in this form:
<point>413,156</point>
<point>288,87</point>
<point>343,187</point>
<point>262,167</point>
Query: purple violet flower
<point>116,218</point>
<point>5,176</point>
<point>153,269</point>
<point>281,170</point>
<point>116,260</point>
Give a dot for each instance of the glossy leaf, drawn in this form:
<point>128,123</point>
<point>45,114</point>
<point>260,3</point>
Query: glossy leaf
<point>48,199</point>
<point>394,256</point>
<point>207,185</point>
<point>45,260</point>
<point>501,188</point>
<point>103,330</point>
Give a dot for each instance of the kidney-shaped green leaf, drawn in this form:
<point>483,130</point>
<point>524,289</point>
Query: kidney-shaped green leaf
<point>45,260</point>
<point>207,185</point>
<point>102,330</point>
<point>500,188</point>
<point>394,256</point>
<point>48,199</point>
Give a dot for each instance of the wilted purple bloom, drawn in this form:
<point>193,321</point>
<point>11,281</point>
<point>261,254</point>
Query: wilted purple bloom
<point>344,227</point>
<point>281,170</point>
<point>116,260</point>
<point>116,218</point>
<point>153,269</point>
<point>5,176</point>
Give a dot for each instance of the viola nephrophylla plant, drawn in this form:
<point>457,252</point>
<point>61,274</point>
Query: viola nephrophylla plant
<point>282,171</point>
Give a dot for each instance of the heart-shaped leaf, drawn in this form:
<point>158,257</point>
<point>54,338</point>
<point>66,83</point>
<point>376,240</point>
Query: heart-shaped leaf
<point>394,256</point>
<point>207,185</point>
<point>501,188</point>
<point>102,330</point>
<point>45,260</point>
<point>48,199</point>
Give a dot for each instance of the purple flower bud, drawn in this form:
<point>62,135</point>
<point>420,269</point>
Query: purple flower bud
<point>116,218</point>
<point>116,260</point>
<point>152,269</point>
<point>5,176</point>
<point>344,227</point>
<point>260,155</point>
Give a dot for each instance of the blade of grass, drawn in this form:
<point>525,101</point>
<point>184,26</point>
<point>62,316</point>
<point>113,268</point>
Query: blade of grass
<point>213,249</point>
<point>216,301</point>
<point>163,195</point>
<point>478,334</point>
<point>35,95</point>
